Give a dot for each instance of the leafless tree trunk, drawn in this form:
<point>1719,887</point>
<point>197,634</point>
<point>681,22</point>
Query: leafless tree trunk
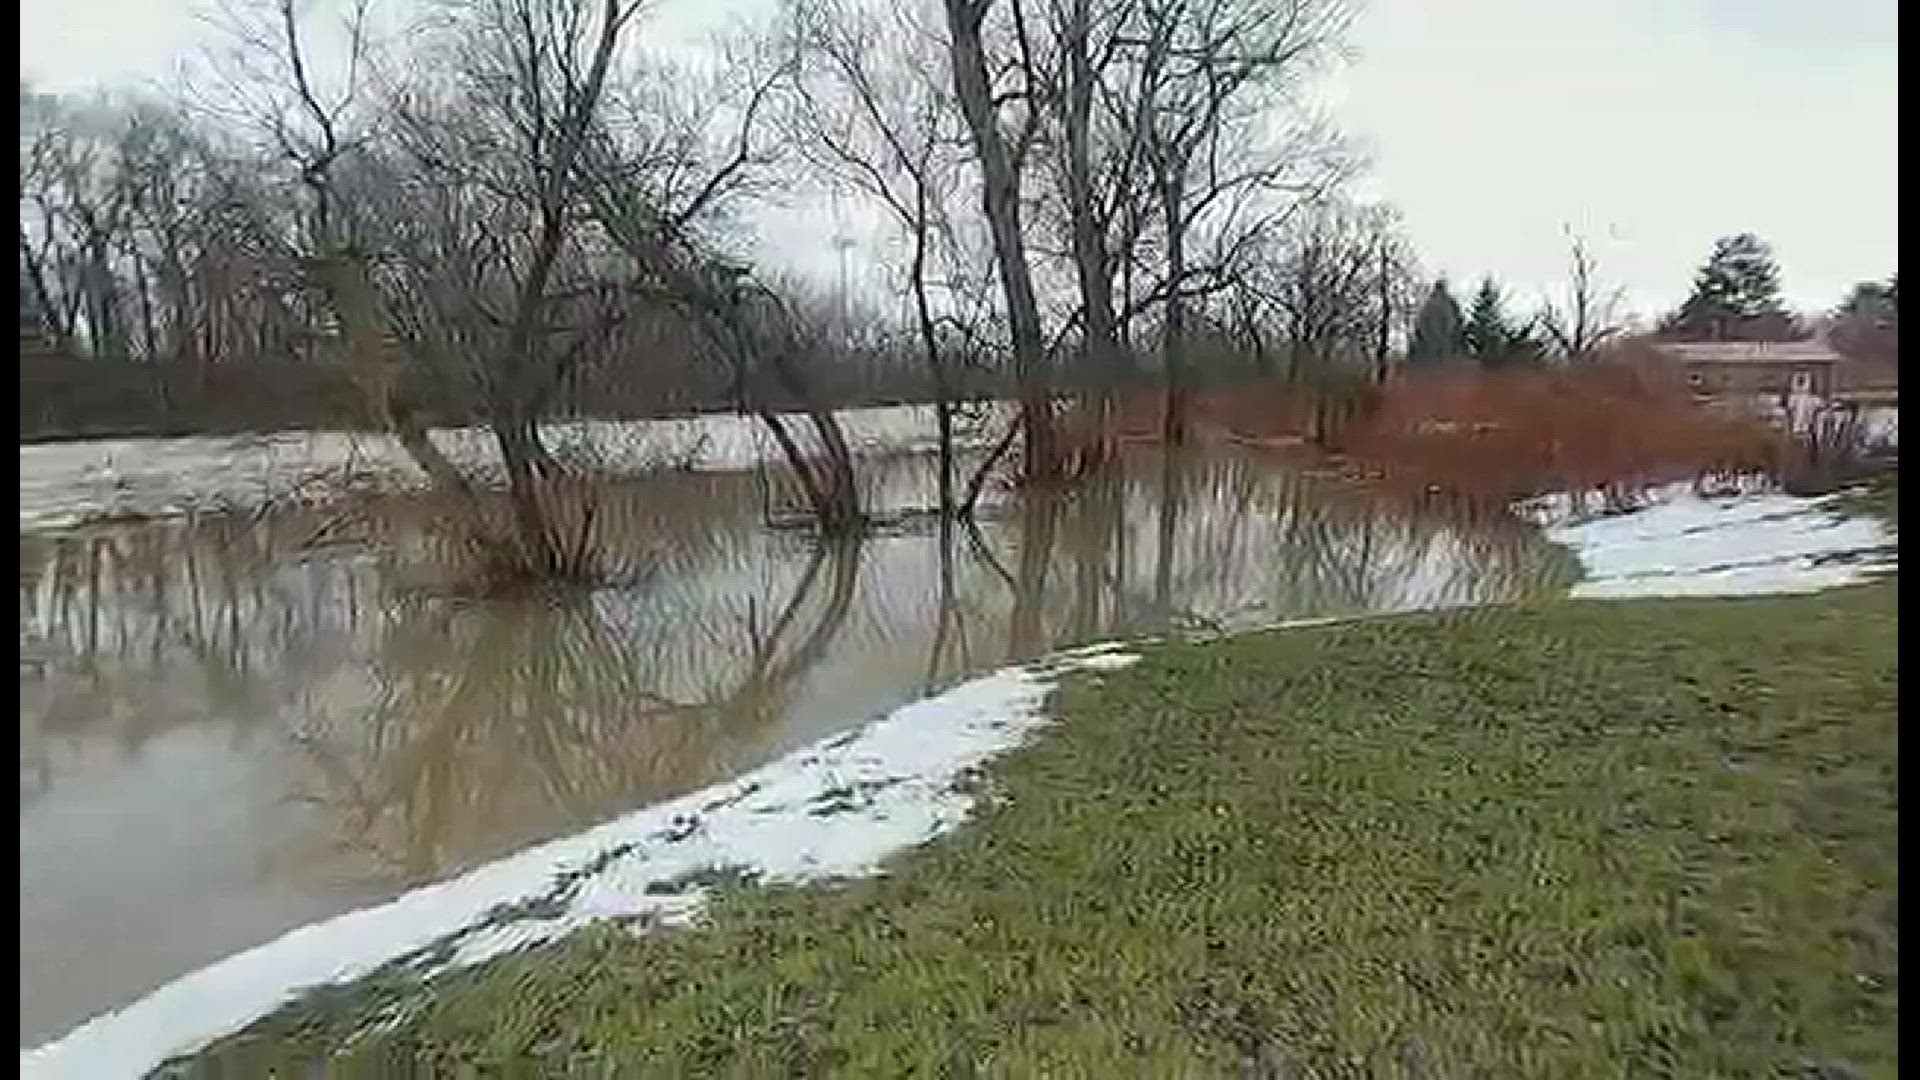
<point>1173,346</point>
<point>513,388</point>
<point>745,323</point>
<point>1211,76</point>
<point>341,269</point>
<point>1039,529</point>
<point>1590,316</point>
<point>888,142</point>
<point>1088,215</point>
<point>1000,168</point>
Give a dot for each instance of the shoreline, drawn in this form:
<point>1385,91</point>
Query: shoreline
<point>470,919</point>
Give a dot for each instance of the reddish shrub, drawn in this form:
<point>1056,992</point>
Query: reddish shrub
<point>1616,427</point>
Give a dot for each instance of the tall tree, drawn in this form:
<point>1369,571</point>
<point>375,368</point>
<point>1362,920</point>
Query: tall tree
<point>1002,154</point>
<point>1591,315</point>
<point>875,121</point>
<point>1736,295</point>
<point>1438,330</point>
<point>1326,286</point>
<point>1393,286</point>
<point>1213,76</point>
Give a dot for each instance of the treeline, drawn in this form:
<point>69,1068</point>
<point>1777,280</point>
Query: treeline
<point>514,209</point>
<point>1080,195</point>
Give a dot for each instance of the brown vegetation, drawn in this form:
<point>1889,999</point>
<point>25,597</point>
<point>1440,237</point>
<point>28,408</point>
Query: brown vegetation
<point>1615,426</point>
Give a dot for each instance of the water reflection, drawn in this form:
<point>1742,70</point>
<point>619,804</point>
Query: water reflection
<point>400,732</point>
<point>494,725</point>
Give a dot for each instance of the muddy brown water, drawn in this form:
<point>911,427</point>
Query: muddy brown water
<point>233,727</point>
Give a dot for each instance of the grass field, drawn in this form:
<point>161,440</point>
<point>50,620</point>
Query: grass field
<point>1647,838</point>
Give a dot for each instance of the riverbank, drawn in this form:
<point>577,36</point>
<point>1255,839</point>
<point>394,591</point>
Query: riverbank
<point>650,865</point>
<point>1556,840</point>
<point>64,484</point>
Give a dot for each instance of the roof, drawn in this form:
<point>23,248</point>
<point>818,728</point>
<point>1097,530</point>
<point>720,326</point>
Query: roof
<point>1749,352</point>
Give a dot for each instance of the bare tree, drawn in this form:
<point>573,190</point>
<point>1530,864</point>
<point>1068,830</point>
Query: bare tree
<point>1395,287</point>
<point>665,171</point>
<point>1097,166</point>
<point>486,159</point>
<point>78,210</point>
<point>265,83</point>
<point>1002,159</point>
<point>541,69</point>
<point>46,261</point>
<point>1208,77</point>
<point>1591,315</point>
<point>870,118</point>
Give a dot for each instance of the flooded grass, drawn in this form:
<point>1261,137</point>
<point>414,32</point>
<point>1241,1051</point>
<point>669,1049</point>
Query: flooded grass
<point>1569,839</point>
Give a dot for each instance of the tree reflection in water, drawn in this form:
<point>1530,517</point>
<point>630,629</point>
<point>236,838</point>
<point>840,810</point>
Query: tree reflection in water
<point>501,723</point>
<point>432,732</point>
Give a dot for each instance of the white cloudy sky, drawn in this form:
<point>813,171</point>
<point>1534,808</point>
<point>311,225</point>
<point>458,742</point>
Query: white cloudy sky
<point>1652,126</point>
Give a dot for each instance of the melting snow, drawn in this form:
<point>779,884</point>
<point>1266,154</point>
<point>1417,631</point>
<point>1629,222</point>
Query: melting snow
<point>1683,544</point>
<point>65,483</point>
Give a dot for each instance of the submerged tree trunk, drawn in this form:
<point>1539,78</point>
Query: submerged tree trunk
<point>943,420</point>
<point>1027,628</point>
<point>1092,267</point>
<point>1000,184</point>
<point>979,481</point>
<point>1174,347</point>
<point>1172,494</point>
<point>836,497</point>
<point>521,453</point>
<point>948,619</point>
<point>755,343</point>
<point>936,364</point>
<point>343,278</point>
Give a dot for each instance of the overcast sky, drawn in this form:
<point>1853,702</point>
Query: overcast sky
<point>1651,126</point>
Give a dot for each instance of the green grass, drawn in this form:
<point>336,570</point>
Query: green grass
<point>1649,838</point>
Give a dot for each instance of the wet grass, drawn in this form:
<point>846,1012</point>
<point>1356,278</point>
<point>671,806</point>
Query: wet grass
<point>1648,838</point>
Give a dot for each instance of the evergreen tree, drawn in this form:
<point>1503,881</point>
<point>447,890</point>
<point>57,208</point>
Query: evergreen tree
<point>1871,301</point>
<point>1437,329</point>
<point>1491,337</point>
<point>1736,294</point>
<point>1866,325</point>
<point>1486,330</point>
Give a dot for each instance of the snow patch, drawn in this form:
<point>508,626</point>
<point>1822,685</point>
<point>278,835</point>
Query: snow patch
<point>835,809</point>
<point>66,483</point>
<point>1683,544</point>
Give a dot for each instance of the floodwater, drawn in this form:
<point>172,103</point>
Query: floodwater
<point>233,726</point>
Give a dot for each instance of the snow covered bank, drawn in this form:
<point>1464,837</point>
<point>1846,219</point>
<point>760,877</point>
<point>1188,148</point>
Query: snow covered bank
<point>835,809</point>
<point>1682,544</point>
<point>64,483</point>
